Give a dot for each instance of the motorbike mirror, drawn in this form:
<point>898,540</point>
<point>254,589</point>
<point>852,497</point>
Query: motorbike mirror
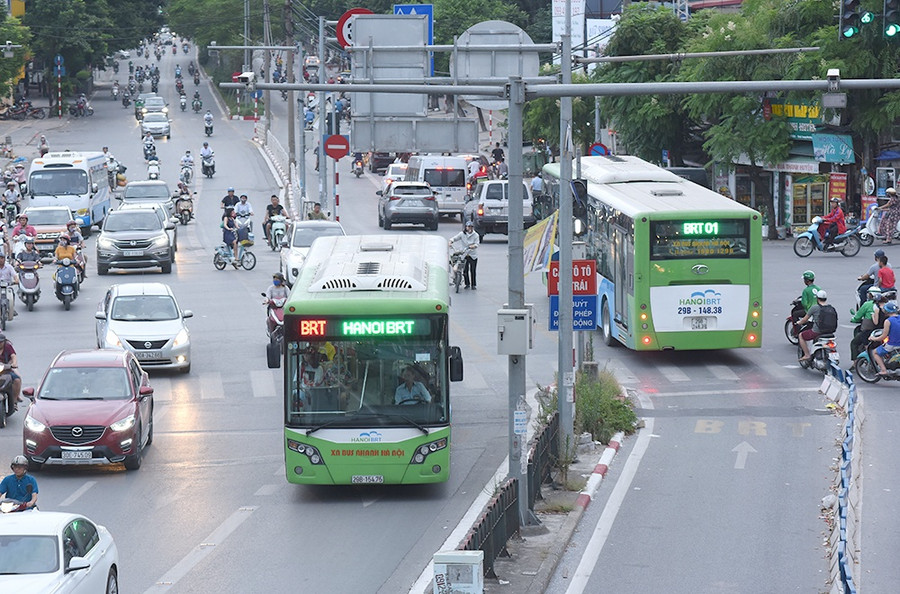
<point>94,187</point>
<point>100,315</point>
<point>187,314</point>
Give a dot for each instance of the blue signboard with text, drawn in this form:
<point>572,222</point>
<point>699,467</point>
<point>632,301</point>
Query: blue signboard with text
<point>584,312</point>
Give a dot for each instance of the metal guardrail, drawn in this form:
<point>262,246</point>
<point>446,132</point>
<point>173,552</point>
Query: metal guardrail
<point>541,457</point>
<point>496,524</point>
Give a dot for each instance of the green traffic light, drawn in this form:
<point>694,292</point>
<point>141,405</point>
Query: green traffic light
<point>850,31</point>
<point>892,30</point>
<point>867,17</point>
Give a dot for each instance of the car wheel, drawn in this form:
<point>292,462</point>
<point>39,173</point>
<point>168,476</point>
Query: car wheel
<point>133,462</point>
<point>112,582</point>
<point>166,268</point>
<point>387,224</point>
<point>380,219</point>
<point>433,226</point>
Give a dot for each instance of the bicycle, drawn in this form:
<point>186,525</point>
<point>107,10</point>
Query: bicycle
<point>224,256</point>
<point>457,264</point>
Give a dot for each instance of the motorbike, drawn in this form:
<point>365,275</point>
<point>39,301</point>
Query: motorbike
<point>66,281</point>
<point>358,168</point>
<point>29,283</point>
<point>187,172</point>
<point>275,330</point>
<point>6,296</point>
<point>126,100</point>
<point>791,329</point>
<point>196,105</point>
<point>184,207</point>
<point>115,93</point>
<point>153,169</point>
<point>149,152</point>
<point>81,110</point>
<point>7,408</point>
<point>186,48</point>
<point>208,166</point>
<point>183,102</point>
<point>865,366</point>
<point>154,87</point>
<point>869,233</point>
<point>197,78</point>
<point>179,86</point>
<point>174,50</point>
<point>116,67</point>
<point>847,243</point>
<point>208,128</point>
<point>277,229</point>
<point>11,212</point>
<point>823,352</point>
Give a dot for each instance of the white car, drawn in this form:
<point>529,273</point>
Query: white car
<point>145,319</point>
<point>394,172</point>
<point>157,124</point>
<point>301,236</point>
<point>56,552</point>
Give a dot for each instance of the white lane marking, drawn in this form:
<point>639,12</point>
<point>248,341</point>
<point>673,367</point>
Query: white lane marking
<point>263,383</point>
<point>162,389</point>
<point>622,373</point>
<point>673,374</point>
<point>81,491</point>
<point>814,388</point>
<point>211,386</point>
<point>743,450</point>
<point>267,490</point>
<point>592,551</point>
<point>723,372</point>
<point>201,551</point>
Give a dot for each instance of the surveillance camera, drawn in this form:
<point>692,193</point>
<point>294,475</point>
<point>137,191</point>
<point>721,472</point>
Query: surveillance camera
<point>246,77</point>
<point>834,73</point>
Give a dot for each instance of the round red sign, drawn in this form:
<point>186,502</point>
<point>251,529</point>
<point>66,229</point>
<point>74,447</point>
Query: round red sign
<point>344,29</point>
<point>336,146</point>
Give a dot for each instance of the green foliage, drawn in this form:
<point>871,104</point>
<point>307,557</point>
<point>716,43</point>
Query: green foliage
<point>12,30</point>
<point>598,409</point>
<point>541,119</point>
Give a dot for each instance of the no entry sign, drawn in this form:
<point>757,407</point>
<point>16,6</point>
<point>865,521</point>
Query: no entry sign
<point>337,146</point>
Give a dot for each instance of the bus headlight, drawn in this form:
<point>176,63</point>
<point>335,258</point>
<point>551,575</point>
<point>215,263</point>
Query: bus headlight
<point>423,450</point>
<point>305,449</point>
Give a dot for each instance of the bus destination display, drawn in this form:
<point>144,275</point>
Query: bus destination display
<point>691,239</point>
<point>330,328</point>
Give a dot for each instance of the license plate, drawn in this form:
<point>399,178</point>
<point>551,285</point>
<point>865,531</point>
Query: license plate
<point>149,354</point>
<point>366,479</point>
<point>80,455</point>
<point>836,357</point>
<point>28,275</point>
<point>698,323</point>
<point>132,253</point>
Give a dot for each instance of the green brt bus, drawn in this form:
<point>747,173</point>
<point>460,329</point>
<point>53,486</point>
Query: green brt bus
<point>367,363</point>
<point>678,265</point>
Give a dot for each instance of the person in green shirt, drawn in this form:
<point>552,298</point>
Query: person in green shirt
<point>808,296</point>
<point>864,317</point>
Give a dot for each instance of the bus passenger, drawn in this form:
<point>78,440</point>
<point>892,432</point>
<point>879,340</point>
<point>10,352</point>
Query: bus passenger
<point>312,375</point>
<point>411,391</point>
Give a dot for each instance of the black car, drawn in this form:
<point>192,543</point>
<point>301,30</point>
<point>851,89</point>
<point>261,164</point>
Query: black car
<point>378,162</point>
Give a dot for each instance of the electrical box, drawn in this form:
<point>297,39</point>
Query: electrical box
<point>514,330</point>
<point>458,572</point>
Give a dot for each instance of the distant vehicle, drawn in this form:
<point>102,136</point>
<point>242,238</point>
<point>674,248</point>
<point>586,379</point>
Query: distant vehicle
<point>50,551</point>
<point>378,162</point>
<point>488,208</point>
<point>445,175</point>
<point>157,124</point>
<point>302,234</point>
<point>106,395</point>
<point>408,202</point>
<point>394,172</point>
<point>155,104</point>
<point>145,319</point>
<point>49,222</point>
<point>149,191</point>
<point>123,54</point>
<point>77,180</point>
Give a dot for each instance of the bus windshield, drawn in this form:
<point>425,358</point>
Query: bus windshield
<point>723,238</point>
<point>366,383</point>
<point>58,181</point>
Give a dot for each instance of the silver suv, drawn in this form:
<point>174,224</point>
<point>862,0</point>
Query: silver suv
<point>134,238</point>
<point>149,191</point>
<point>488,207</point>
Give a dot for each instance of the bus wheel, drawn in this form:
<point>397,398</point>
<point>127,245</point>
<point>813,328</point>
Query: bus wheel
<point>605,328</point>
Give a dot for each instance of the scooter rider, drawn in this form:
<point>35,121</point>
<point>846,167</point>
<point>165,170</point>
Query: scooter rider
<point>864,316</point>
<point>8,274</point>
<point>275,208</point>
<point>278,290</point>
<point>11,195</point>
<point>30,254</point>
<point>833,223</point>
<point>75,238</point>
<point>206,151</point>
<point>808,296</point>
<point>814,332</point>
<point>229,200</point>
<point>869,277</point>
<point>23,228</point>
<point>243,209</point>
<point>187,160</point>
<point>208,116</point>
<point>20,485</point>
<point>892,331</point>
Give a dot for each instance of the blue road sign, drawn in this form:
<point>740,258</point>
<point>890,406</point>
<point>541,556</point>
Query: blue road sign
<point>584,312</point>
<point>59,71</point>
<point>257,94</point>
<point>598,149</point>
<point>426,9</point>
<point>58,60</point>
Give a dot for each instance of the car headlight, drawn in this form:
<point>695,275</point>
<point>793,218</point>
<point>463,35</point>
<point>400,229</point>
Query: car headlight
<point>165,110</point>
<point>105,243</point>
<point>181,338</point>
<point>161,240</point>
<point>123,424</point>
<point>33,424</point>
<point>112,341</point>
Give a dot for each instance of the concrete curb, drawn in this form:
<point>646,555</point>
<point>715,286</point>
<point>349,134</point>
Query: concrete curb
<point>548,566</point>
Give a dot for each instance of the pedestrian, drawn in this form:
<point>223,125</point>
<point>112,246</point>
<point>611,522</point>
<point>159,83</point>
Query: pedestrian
<point>316,213</point>
<point>888,226</point>
<point>470,239</point>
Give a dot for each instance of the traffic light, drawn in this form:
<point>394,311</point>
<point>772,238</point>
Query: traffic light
<point>891,18</point>
<point>579,207</point>
<point>850,20</point>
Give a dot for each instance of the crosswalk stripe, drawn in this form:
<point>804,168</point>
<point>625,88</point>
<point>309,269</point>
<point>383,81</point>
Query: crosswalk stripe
<point>211,387</point>
<point>723,372</point>
<point>673,374</point>
<point>262,381</point>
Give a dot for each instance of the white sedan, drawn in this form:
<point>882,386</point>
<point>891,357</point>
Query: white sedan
<point>301,236</point>
<point>56,552</point>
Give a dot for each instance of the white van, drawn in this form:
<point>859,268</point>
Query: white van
<point>77,180</point>
<point>445,175</point>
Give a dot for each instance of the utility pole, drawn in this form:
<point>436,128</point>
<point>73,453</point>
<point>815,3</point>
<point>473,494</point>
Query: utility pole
<point>323,158</point>
<point>289,66</point>
<point>267,40</point>
<point>248,60</point>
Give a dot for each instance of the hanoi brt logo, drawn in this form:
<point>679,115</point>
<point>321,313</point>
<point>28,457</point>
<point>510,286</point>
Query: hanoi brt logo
<point>707,297</point>
<point>367,437</point>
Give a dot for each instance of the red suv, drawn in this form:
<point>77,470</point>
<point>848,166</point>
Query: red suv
<point>93,407</point>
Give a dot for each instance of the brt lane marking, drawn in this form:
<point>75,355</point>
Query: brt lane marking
<point>743,450</point>
<point>673,373</point>
<point>78,493</point>
<point>201,551</point>
<point>812,388</point>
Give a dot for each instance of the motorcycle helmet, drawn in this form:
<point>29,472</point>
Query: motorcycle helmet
<point>470,224</point>
<point>19,460</point>
<point>71,223</point>
<point>891,307</point>
<point>63,240</point>
<point>890,191</point>
<point>809,275</point>
<point>278,275</point>
<point>205,144</point>
<point>875,292</point>
<point>879,253</point>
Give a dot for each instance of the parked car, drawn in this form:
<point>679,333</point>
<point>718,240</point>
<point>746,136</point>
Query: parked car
<point>134,239</point>
<point>49,222</point>
<point>378,162</point>
<point>92,407</point>
<point>301,235</point>
<point>394,172</point>
<point>50,551</point>
<point>408,202</point>
<point>488,207</point>
<point>157,124</point>
<point>151,190</point>
<point>145,319</point>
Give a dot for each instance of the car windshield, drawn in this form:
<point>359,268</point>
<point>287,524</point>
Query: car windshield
<point>86,383</point>
<point>156,117</point>
<point>28,554</point>
<point>55,216</point>
<point>144,308</point>
<point>158,191</point>
<point>303,237</point>
<point>58,181</point>
<point>131,221</point>
<point>154,102</point>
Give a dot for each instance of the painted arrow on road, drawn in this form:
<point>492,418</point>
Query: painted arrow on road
<point>743,449</point>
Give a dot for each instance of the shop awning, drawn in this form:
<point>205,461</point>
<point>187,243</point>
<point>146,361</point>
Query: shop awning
<point>789,165</point>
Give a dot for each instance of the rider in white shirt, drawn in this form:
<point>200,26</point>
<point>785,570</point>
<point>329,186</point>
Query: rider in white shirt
<point>208,118</point>
<point>205,151</point>
<point>187,159</point>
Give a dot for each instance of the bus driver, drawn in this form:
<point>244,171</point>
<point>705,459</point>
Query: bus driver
<point>411,391</point>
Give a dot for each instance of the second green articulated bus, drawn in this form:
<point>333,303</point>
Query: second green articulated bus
<point>679,266</point>
<point>367,362</point>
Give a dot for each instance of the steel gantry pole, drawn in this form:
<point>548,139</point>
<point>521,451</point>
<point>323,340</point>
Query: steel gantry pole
<point>320,141</point>
<point>291,116</point>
